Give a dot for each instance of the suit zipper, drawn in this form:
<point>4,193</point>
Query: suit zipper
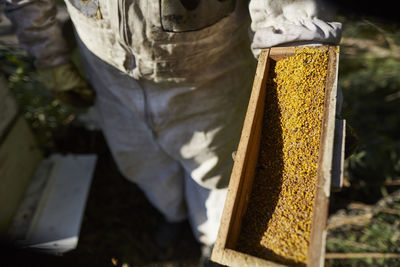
<point>129,62</point>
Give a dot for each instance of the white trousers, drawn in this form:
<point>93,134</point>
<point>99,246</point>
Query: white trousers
<point>174,141</point>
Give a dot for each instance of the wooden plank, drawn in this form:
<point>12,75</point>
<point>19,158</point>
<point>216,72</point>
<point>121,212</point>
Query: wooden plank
<point>242,177</point>
<point>19,156</point>
<point>238,259</point>
<point>238,186</point>
<point>8,107</point>
<point>279,53</point>
<point>56,223</point>
<point>316,251</point>
<point>50,214</point>
<point>249,157</point>
<point>26,211</point>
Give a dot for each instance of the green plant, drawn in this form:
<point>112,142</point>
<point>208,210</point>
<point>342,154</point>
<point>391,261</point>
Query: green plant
<point>44,113</point>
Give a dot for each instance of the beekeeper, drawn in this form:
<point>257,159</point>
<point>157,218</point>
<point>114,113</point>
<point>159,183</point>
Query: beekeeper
<point>172,81</point>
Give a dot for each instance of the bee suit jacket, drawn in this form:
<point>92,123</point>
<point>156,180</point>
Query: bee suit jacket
<point>173,79</point>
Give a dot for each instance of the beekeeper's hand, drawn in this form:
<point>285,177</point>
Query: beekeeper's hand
<point>292,23</point>
<point>310,31</point>
<point>67,85</point>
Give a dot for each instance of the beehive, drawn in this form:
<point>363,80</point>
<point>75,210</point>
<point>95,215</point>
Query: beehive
<point>282,220</point>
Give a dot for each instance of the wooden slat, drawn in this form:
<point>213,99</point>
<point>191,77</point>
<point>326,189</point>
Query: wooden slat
<point>252,132</point>
<point>279,53</point>
<point>50,215</point>
<point>236,258</point>
<point>19,156</point>
<point>316,251</point>
<point>59,214</point>
<point>245,160</point>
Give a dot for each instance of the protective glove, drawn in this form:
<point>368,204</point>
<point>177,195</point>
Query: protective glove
<point>67,85</point>
<point>309,32</point>
<point>290,23</point>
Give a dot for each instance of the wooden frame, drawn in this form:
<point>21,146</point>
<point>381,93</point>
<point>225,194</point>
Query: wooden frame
<point>246,159</point>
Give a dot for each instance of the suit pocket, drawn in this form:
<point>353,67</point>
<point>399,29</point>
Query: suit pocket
<point>193,15</point>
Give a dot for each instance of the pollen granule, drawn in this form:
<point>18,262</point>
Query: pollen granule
<point>277,222</point>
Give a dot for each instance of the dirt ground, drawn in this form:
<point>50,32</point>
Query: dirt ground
<point>118,221</point>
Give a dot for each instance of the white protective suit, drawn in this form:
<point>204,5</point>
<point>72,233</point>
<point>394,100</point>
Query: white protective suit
<point>173,80</point>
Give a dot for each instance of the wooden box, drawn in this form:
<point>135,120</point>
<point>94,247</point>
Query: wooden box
<point>243,172</point>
